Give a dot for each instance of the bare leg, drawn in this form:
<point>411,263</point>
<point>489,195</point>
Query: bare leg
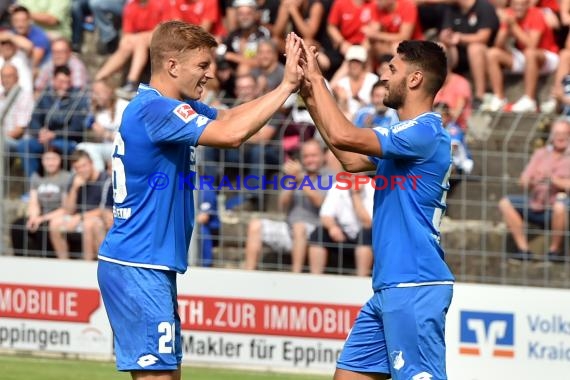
<point>559,223</point>
<point>140,56</point>
<point>253,244</point>
<point>534,60</point>
<point>343,374</point>
<point>317,259</point>
<point>514,223</point>
<point>156,375</point>
<point>299,251</point>
<point>477,64</point>
<point>363,258</point>
<point>118,59</point>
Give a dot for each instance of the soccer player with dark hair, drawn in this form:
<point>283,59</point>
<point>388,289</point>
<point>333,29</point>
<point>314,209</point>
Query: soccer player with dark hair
<point>399,332</point>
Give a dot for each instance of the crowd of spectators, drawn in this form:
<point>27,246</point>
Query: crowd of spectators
<point>53,109</point>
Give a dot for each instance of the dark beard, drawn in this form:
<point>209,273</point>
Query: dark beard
<point>396,96</point>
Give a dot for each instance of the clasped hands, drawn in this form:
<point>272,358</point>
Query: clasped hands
<point>302,67</point>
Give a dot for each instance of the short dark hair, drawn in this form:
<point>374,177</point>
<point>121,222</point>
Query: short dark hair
<point>63,69</point>
<point>429,57</point>
<point>19,8</point>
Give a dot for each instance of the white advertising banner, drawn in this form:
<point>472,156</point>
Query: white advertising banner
<point>283,321</point>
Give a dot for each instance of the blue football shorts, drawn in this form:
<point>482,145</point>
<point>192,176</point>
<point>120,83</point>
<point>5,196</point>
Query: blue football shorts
<point>401,332</point>
<point>142,309</point>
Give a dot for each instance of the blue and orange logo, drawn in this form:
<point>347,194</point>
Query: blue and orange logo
<point>487,334</point>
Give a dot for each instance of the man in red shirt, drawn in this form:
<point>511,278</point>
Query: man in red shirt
<point>392,22</point>
<point>140,17</point>
<point>535,53</point>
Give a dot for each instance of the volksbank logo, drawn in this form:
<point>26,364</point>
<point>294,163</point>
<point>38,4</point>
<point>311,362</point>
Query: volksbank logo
<point>487,334</point>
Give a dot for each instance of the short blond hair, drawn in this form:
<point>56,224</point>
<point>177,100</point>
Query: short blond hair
<point>177,37</point>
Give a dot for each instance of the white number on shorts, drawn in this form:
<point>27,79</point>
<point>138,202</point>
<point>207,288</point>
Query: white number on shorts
<point>119,178</point>
<point>166,341</point>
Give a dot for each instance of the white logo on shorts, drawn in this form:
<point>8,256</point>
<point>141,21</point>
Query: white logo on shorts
<point>422,376</point>
<point>145,361</point>
<point>398,359</point>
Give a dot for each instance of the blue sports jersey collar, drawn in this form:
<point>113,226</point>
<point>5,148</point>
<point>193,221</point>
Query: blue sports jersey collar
<point>145,87</point>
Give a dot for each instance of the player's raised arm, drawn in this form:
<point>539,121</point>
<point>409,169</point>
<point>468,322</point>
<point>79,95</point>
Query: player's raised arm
<point>235,126</point>
<point>351,145</point>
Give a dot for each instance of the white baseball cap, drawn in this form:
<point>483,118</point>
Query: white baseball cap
<point>244,3</point>
<point>356,53</point>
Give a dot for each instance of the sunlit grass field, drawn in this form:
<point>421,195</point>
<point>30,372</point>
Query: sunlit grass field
<point>34,368</point>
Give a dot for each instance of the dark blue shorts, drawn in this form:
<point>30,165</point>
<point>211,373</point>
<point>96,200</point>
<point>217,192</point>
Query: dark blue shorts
<point>540,218</point>
<point>142,309</point>
<point>400,331</point>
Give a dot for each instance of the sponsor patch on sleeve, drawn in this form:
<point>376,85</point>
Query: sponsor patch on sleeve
<point>184,112</point>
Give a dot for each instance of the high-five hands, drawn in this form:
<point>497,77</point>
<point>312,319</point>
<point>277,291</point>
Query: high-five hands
<point>293,71</point>
<point>308,63</point>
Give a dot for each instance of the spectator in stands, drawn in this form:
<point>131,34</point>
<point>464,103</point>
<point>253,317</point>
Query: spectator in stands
<point>346,222</point>
<point>345,23</point>
<point>260,152</point>
<point>469,28</point>
<point>105,14</point>
<point>302,209</point>
<point>431,14</point>
<point>241,45</point>
<point>16,106</point>
<point>352,90</point>
<point>205,13</point>
<point>9,53</point>
<point>392,22</point>
<point>22,25</point>
<point>53,16</point>
<point>462,162</point>
<point>82,207</point>
<point>456,94</point>
<point>535,53</point>
<point>57,121</point>
<point>376,114</point>
<point>307,18</point>
<point>269,71</point>
<point>266,13</point>
<point>62,55</point>
<point>140,17</point>
<point>546,182</point>
<point>104,119</point>
<point>560,91</point>
<point>30,234</point>
<point>209,223</point>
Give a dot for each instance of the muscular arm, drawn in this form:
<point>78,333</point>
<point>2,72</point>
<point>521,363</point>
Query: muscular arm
<point>235,126</point>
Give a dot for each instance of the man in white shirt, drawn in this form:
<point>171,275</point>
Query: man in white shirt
<point>346,220</point>
<point>16,106</point>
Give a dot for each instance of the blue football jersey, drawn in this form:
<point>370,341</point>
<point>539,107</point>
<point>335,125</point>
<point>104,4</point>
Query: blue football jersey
<point>412,182</point>
<point>153,163</point>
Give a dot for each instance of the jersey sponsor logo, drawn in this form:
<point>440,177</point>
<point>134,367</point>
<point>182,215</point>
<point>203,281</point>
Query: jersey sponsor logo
<point>383,131</point>
<point>487,334</point>
<point>184,112</point>
<point>147,360</point>
<point>423,376</point>
<point>403,126</point>
<point>398,360</point>
<point>201,121</point>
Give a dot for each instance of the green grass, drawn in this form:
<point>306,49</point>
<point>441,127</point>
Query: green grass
<point>35,368</point>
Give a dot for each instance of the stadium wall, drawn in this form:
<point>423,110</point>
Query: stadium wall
<point>283,321</point>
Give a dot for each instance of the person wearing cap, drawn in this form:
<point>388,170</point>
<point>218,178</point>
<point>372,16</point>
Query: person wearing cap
<point>353,89</point>
<point>240,47</point>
